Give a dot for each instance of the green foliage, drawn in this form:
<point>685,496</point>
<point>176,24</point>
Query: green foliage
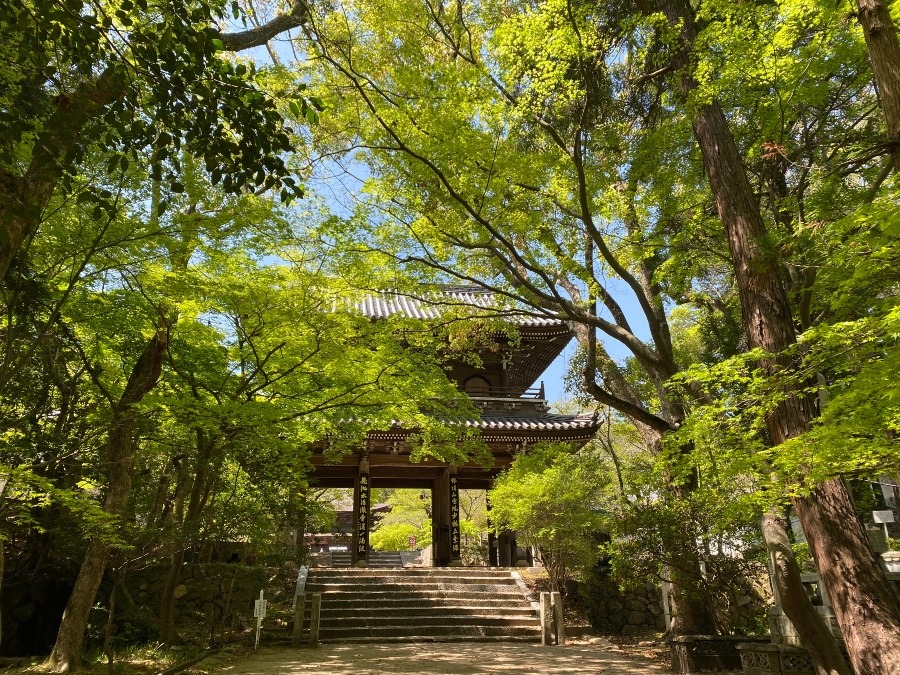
<point>554,499</point>
<point>409,517</point>
<point>135,77</point>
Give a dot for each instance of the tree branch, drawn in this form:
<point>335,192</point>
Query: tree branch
<point>260,35</point>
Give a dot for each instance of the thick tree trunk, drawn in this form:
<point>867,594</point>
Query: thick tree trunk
<point>24,197</point>
<point>692,612</point>
<point>794,600</point>
<point>67,651</point>
<point>884,54</point>
<point>866,607</point>
<point>869,615</point>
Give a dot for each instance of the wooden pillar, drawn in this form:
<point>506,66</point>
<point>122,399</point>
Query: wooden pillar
<point>440,516</point>
<point>455,534</point>
<point>504,554</point>
<point>362,509</point>
<point>493,560</point>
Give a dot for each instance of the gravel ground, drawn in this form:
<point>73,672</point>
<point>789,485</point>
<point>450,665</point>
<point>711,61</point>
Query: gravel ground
<point>579,657</point>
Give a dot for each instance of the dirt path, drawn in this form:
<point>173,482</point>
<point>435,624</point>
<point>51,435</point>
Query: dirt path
<point>442,659</point>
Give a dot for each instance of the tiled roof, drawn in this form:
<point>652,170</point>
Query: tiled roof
<point>545,422</point>
<point>433,306</point>
<point>540,423</point>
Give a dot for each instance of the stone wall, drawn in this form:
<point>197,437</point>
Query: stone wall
<point>31,609</point>
<point>613,611</point>
<point>211,598</point>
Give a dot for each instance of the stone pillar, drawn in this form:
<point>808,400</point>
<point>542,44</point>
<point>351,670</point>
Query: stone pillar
<point>440,518</point>
<point>455,535</point>
<point>362,509</point>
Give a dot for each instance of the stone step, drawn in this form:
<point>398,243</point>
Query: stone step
<point>358,575</point>
<point>439,599</point>
<point>476,607</point>
<point>430,604</point>
<point>436,619</point>
<point>376,559</point>
<point>436,631</point>
<point>417,571</point>
<point>407,587</point>
<point>435,638</point>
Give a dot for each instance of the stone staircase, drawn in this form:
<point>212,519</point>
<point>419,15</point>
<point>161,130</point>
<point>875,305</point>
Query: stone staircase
<point>423,605</point>
<point>378,559</point>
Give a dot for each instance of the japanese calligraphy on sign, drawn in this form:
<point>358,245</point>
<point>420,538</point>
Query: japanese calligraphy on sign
<point>454,516</point>
<point>362,523</point>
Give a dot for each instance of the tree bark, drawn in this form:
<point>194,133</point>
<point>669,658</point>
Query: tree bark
<point>67,651</point>
<point>794,600</point>
<point>884,54</point>
<point>866,607</point>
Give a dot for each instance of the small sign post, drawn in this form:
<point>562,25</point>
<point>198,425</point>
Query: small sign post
<point>412,542</point>
<point>883,517</point>
<point>259,611</point>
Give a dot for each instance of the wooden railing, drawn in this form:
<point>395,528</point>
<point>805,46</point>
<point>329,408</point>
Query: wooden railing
<point>535,393</point>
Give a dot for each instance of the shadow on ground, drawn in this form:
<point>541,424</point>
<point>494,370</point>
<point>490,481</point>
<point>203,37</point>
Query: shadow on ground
<point>444,659</point>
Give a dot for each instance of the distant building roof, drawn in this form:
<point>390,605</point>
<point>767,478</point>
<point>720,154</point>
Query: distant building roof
<point>434,305</point>
<point>345,504</point>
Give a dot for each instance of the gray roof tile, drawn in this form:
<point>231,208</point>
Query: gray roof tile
<point>433,306</point>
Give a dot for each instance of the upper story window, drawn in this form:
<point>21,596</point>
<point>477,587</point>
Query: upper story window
<point>477,386</point>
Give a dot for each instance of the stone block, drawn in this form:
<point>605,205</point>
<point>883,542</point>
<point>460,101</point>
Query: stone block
<point>637,618</point>
<point>635,605</point>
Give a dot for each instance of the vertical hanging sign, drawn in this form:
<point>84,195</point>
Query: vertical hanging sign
<point>454,517</point>
<point>362,523</point>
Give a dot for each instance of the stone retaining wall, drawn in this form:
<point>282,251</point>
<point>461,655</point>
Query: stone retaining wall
<point>615,612</point>
<point>212,596</point>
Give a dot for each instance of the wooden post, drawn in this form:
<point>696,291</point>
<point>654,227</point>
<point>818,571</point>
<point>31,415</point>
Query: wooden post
<point>315,614</point>
<point>440,516</point>
<point>558,620</point>
<point>493,552</point>
<point>299,611</point>
<point>546,618</point>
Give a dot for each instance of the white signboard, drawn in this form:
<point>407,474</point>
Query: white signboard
<point>883,516</point>
<point>259,611</point>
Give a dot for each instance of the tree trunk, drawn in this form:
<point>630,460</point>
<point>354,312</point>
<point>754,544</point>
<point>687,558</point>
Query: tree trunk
<point>692,612</point>
<point>884,54</point>
<point>866,607</point>
<point>794,600</point>
<point>23,198</point>
<point>167,601</point>
<point>194,509</point>
<point>869,615</point>
<point>66,654</point>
